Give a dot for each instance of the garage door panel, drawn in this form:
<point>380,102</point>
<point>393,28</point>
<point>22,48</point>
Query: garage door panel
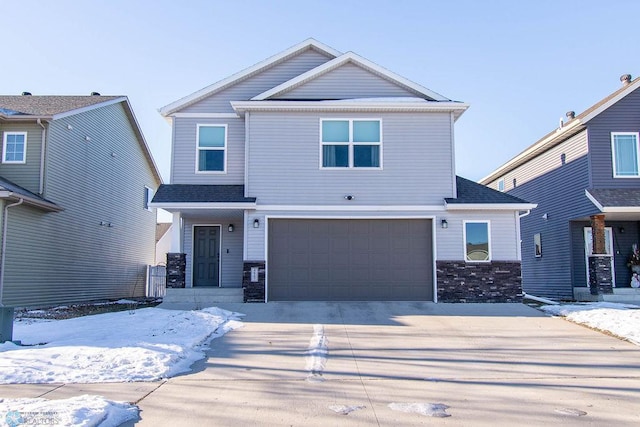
<point>350,260</point>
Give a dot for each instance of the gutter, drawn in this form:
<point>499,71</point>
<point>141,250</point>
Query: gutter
<point>42,153</point>
<point>5,219</point>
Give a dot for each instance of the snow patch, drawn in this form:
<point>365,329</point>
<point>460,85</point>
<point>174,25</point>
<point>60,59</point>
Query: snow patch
<point>428,409</point>
<point>345,410</point>
<point>571,411</point>
<point>317,354</point>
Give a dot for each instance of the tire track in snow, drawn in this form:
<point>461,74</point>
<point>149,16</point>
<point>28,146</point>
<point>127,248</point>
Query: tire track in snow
<point>317,354</point>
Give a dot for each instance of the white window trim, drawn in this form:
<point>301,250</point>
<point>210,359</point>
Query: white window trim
<point>350,144</point>
<point>4,148</point>
<point>464,240</point>
<point>148,194</point>
<point>613,153</point>
<point>198,148</point>
<point>501,184</point>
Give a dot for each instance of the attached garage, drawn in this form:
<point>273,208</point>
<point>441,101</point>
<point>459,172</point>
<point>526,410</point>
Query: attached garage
<point>350,260</point>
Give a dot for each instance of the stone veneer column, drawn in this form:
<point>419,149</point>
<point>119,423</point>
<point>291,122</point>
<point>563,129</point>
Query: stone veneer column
<point>600,275</point>
<point>176,274</point>
<point>254,291</point>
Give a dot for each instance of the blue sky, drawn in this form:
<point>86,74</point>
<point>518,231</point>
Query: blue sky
<point>521,65</point>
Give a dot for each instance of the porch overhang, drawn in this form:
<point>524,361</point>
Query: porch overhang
<point>616,203</point>
<point>183,197</point>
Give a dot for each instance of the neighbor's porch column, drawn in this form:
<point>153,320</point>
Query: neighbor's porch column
<point>600,274</point>
<point>176,258</point>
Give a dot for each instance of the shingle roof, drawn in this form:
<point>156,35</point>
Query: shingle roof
<point>616,197</point>
<point>472,192</point>
<point>192,193</point>
<point>6,185</point>
<point>48,105</point>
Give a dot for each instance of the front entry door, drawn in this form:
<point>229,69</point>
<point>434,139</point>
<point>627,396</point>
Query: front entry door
<point>608,247</point>
<point>206,256</point>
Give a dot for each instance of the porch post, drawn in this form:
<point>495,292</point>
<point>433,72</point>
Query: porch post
<point>176,233</point>
<point>176,258</point>
<point>600,274</point>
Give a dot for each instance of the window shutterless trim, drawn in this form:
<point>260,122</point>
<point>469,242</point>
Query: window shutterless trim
<point>351,144</point>
<point>464,239</point>
<point>223,149</point>
<point>4,148</point>
<point>613,154</point>
<point>148,196</point>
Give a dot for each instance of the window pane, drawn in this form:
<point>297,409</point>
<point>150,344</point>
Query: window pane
<point>335,131</point>
<point>211,160</point>
<point>335,156</point>
<point>626,155</point>
<point>366,131</point>
<point>366,156</point>
<point>477,244</point>
<point>211,136</point>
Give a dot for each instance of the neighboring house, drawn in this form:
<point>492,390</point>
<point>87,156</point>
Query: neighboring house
<point>318,175</point>
<point>585,178</point>
<point>76,177</point>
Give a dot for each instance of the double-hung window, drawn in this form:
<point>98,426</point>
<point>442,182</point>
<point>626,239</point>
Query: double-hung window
<point>350,143</point>
<point>624,150</point>
<point>211,148</point>
<point>14,147</point>
<point>477,241</point>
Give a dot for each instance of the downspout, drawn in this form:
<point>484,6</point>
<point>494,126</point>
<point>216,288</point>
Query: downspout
<point>518,233</point>
<point>42,153</point>
<point>5,218</point>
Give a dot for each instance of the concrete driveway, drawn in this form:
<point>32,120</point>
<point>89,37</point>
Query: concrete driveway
<point>363,364</point>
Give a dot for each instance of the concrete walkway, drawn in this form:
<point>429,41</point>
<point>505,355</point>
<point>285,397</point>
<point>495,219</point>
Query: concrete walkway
<point>306,364</point>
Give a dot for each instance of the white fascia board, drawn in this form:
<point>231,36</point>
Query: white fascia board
<point>490,206</point>
<point>594,201</point>
<point>211,89</point>
<point>339,61</point>
<point>630,88</point>
<point>207,205</point>
<point>622,209</point>
<point>205,115</point>
<point>351,208</point>
<point>338,106</point>
<point>532,151</point>
<point>89,108</point>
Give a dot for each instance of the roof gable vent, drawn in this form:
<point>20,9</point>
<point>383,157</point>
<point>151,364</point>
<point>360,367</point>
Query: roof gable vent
<point>571,115</point>
<point>625,79</point>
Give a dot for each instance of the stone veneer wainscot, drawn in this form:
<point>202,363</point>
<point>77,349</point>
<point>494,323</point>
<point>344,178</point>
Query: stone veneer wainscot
<point>496,281</point>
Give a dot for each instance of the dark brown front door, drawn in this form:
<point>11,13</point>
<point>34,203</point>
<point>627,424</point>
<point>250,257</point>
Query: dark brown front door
<point>206,256</point>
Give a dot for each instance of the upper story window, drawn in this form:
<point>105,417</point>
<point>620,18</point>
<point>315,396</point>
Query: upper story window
<point>477,241</point>
<point>349,143</point>
<point>212,148</point>
<point>624,150</point>
<point>501,185</point>
<point>14,147</point>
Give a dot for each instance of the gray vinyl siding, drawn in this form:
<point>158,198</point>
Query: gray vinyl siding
<point>559,194</point>
<point>26,175</point>
<point>449,242</point>
<point>573,149</point>
<point>259,83</point>
<point>67,257</point>
<point>183,163</point>
<point>347,81</point>
<point>231,260</point>
<point>284,154</point>
<point>623,116</point>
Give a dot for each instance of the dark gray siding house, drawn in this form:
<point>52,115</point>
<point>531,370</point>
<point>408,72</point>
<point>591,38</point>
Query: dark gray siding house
<point>76,177</point>
<point>585,178</point>
<point>319,175</point>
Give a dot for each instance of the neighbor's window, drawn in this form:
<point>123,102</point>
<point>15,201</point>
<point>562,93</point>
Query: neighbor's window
<point>212,146</point>
<point>624,149</point>
<point>477,244</point>
<point>501,185</point>
<point>14,147</point>
<point>148,196</point>
<point>537,245</point>
<point>351,143</point>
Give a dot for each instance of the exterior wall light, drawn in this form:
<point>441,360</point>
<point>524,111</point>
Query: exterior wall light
<point>230,228</point>
<point>444,223</point>
<point>256,223</point>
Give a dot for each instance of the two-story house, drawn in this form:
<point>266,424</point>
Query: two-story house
<point>76,177</point>
<point>585,178</point>
<point>320,175</point>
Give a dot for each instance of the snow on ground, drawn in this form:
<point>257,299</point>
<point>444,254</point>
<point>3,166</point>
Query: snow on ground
<point>76,411</point>
<point>621,320</point>
<point>141,345</point>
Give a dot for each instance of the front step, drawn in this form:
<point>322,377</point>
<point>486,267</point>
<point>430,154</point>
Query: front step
<point>623,295</point>
<point>197,298</point>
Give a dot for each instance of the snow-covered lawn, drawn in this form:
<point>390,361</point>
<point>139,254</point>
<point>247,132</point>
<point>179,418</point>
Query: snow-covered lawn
<point>621,320</point>
<point>141,345</point>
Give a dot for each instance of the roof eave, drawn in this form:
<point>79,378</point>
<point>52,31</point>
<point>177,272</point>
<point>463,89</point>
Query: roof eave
<point>490,206</point>
<point>30,201</point>
<point>174,206</point>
